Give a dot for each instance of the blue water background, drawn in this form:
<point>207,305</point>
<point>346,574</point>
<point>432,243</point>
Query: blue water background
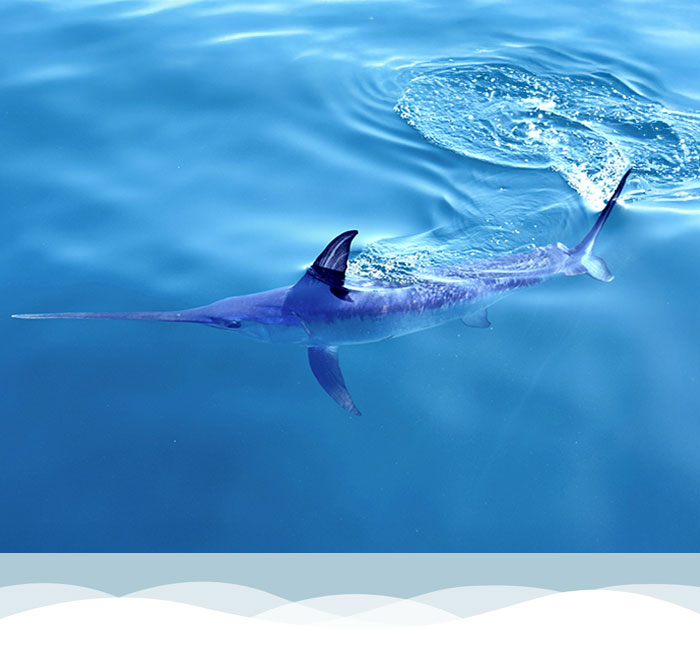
<point>160,155</point>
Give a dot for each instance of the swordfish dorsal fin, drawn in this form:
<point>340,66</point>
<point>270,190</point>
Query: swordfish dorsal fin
<point>330,266</point>
<point>325,367</point>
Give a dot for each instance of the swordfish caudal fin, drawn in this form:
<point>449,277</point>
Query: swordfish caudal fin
<point>325,367</point>
<point>583,260</point>
<point>330,266</point>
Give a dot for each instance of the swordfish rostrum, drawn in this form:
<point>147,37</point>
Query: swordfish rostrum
<point>322,311</point>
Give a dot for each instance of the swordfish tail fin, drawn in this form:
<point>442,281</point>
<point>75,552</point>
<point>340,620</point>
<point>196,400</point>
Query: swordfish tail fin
<point>178,315</point>
<point>583,260</point>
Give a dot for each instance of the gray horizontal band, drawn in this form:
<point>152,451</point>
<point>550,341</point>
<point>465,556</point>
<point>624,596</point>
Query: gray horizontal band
<point>297,576</point>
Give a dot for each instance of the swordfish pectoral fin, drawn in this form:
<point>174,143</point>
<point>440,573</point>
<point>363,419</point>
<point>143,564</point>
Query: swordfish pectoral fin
<point>478,319</point>
<point>325,367</point>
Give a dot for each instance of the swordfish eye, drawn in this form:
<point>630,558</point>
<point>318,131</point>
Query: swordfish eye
<point>225,323</point>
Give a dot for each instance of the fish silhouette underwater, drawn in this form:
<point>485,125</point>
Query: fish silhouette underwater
<point>323,311</point>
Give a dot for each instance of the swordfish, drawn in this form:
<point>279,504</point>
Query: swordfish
<point>323,311</point>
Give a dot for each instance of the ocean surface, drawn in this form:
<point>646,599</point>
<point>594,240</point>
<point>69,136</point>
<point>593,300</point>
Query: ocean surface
<point>163,155</point>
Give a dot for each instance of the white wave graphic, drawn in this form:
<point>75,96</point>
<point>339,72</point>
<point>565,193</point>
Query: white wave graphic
<point>598,618</point>
<point>219,596</point>
<point>429,609</point>
<point>24,597</point>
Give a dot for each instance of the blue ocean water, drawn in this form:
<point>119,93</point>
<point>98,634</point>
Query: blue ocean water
<point>162,155</point>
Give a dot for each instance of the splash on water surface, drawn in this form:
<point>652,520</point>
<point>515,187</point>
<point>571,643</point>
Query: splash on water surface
<point>415,259</point>
<point>588,127</point>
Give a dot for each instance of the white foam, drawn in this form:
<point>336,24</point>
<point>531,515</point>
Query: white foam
<point>589,128</point>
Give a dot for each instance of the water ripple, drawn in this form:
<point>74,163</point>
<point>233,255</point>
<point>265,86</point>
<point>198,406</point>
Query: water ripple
<point>588,127</point>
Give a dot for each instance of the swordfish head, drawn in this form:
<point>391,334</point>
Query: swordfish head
<point>261,316</point>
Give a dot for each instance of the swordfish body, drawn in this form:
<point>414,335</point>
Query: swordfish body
<point>323,311</point>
